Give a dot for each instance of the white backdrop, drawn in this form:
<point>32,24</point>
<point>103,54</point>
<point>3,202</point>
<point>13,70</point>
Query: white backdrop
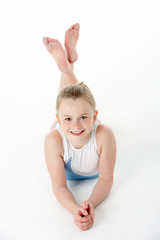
<point>119,59</point>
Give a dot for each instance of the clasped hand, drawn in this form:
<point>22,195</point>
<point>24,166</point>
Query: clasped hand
<point>84,216</point>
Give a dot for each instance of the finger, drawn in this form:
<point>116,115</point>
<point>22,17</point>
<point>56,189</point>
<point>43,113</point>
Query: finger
<point>83,212</point>
<point>84,215</point>
<point>83,219</point>
<point>86,227</point>
<point>84,205</point>
<point>83,224</point>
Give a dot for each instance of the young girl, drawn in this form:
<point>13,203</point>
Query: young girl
<point>78,146</point>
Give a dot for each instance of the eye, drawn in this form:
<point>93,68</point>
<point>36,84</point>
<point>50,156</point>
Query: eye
<point>83,117</point>
<point>68,119</point>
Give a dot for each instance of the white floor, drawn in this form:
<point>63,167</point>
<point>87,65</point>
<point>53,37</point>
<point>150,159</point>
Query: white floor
<point>119,59</point>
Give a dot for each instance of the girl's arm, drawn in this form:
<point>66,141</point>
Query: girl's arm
<point>107,143</point>
<point>53,154</point>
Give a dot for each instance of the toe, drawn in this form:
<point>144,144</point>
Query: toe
<point>45,40</point>
<point>74,27</point>
<point>77,26</point>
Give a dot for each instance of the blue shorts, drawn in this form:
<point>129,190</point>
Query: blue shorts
<point>70,175</point>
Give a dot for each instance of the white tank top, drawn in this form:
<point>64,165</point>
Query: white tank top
<point>81,162</point>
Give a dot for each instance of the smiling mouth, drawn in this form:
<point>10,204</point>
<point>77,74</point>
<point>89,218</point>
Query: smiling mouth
<point>76,133</point>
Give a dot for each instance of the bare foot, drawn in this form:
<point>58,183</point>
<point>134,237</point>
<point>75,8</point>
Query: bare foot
<point>55,48</point>
<point>71,38</point>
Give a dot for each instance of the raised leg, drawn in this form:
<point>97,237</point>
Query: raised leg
<point>71,38</point>
<point>67,79</point>
<point>64,59</point>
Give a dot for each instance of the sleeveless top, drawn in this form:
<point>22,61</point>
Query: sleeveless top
<point>80,163</point>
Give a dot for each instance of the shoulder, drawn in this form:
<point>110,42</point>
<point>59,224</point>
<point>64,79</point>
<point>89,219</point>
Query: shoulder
<point>104,137</point>
<point>104,131</point>
<point>53,146</point>
<point>53,135</point>
<point>53,139</point>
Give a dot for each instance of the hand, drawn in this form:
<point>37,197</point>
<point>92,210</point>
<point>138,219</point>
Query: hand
<point>89,208</point>
<point>82,219</point>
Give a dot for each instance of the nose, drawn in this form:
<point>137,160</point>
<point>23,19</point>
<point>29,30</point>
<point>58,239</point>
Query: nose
<point>76,124</point>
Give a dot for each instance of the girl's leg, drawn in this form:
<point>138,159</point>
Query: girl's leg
<point>71,38</point>
<point>64,59</point>
<point>67,79</point>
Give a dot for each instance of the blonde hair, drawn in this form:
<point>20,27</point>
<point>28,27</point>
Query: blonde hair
<point>79,90</point>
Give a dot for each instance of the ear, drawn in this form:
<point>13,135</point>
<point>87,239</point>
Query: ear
<point>58,118</point>
<point>95,115</point>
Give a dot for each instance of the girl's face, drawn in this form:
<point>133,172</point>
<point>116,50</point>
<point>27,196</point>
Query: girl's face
<point>76,118</point>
